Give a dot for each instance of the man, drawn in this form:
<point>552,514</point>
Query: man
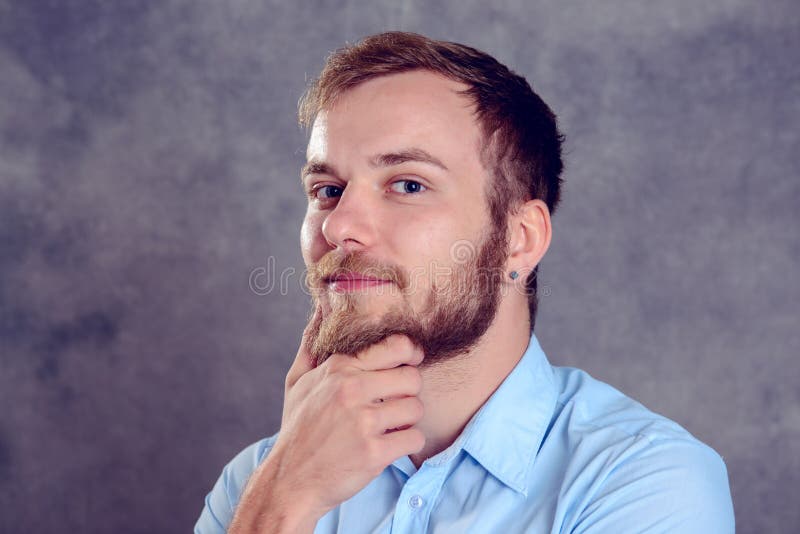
<point>420,400</point>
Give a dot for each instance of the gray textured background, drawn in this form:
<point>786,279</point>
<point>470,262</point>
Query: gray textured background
<point>149,161</point>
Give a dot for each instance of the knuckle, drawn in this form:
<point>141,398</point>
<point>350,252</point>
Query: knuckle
<point>335,363</point>
<point>299,384</point>
<point>366,422</point>
<point>329,372</point>
<point>417,409</point>
<point>398,342</point>
<point>412,410</point>
<point>348,389</point>
<point>413,377</point>
<point>405,344</point>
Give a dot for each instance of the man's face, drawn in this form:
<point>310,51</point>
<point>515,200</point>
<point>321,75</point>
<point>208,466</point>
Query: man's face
<point>397,236</point>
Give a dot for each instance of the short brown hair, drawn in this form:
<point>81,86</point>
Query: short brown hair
<point>521,141</point>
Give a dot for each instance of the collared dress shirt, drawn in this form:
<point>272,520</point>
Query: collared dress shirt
<point>551,451</point>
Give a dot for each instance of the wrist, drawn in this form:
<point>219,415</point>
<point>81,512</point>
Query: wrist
<point>271,504</point>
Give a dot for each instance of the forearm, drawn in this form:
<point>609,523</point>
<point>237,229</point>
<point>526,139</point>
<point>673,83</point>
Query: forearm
<point>269,507</point>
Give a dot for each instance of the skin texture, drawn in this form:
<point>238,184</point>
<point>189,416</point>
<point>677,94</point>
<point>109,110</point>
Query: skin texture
<point>349,417</point>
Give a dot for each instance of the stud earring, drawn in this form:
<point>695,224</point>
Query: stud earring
<point>513,275</point>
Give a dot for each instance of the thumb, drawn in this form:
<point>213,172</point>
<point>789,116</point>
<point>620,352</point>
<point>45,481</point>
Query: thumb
<point>304,361</point>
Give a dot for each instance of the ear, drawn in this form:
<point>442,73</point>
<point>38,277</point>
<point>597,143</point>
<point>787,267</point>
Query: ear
<point>529,237</point>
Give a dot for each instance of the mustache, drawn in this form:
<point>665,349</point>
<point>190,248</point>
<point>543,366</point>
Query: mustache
<point>332,265</point>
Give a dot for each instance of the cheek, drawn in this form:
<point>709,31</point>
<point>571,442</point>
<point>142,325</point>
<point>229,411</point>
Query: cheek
<point>312,242</point>
<point>434,240</point>
<point>426,250</point>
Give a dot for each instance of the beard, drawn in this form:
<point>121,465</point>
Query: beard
<point>455,316</point>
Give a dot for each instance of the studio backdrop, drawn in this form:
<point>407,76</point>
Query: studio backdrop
<point>151,284</point>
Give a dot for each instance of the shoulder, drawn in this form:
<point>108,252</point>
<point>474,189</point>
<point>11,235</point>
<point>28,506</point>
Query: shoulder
<point>590,406</point>
<point>635,468</point>
<point>221,502</point>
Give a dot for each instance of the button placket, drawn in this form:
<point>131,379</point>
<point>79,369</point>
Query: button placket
<point>419,493</point>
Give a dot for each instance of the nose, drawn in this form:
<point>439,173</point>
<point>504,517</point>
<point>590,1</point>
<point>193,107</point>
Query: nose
<point>350,225</point>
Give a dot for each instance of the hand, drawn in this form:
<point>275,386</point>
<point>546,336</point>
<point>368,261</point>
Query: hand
<point>343,423</point>
<point>334,437</point>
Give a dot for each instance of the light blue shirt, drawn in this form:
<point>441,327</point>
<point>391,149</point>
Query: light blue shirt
<point>552,450</point>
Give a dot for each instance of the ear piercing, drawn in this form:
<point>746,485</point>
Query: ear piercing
<point>514,275</point>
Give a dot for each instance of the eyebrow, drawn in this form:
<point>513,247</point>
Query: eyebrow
<point>406,155</point>
<point>381,160</point>
<point>316,167</point>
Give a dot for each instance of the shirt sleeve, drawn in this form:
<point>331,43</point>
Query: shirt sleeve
<point>675,486</point>
<point>221,502</point>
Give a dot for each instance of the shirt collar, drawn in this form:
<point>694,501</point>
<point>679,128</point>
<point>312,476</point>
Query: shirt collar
<point>505,434</point>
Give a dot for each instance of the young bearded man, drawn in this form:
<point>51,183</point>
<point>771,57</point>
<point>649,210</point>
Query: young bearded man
<point>420,400</point>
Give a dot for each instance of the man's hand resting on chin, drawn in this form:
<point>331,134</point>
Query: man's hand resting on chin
<point>333,439</point>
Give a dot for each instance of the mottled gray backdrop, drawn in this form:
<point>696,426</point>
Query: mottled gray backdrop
<point>149,202</point>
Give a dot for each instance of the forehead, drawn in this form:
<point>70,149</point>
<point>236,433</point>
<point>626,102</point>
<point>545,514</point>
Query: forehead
<point>412,109</point>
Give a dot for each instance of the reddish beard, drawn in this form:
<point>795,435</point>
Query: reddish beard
<point>455,316</point>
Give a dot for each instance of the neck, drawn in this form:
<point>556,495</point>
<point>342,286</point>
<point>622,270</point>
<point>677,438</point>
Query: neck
<point>453,391</point>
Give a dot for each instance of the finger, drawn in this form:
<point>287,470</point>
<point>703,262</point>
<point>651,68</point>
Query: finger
<point>403,442</point>
<point>384,384</point>
<point>304,361</point>
<point>396,413</point>
<point>392,352</point>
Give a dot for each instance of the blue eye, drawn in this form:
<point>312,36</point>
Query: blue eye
<point>407,187</point>
<point>328,191</point>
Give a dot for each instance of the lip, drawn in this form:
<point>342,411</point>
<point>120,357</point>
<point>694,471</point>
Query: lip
<point>347,282</point>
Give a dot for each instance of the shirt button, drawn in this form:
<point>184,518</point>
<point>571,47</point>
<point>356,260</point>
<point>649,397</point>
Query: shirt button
<point>415,501</point>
